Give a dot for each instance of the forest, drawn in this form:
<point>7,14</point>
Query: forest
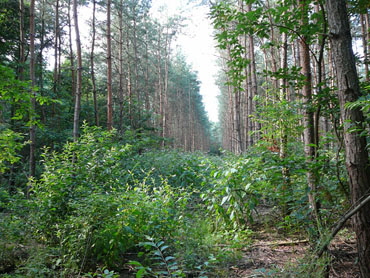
<point>110,166</point>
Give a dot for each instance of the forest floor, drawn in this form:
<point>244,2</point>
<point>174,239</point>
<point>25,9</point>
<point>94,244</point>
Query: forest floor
<point>273,254</point>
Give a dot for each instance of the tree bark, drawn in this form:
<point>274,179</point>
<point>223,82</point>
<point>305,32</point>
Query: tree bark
<point>120,67</point>
<point>76,118</point>
<point>365,33</point>
<point>71,57</point>
<point>56,48</point>
<point>129,79</point>
<point>21,41</point>
<point>284,129</point>
<point>32,162</point>
<point>109,69</point>
<point>40,59</point>
<point>255,126</point>
<point>357,158</point>
<point>308,115</point>
<point>92,65</point>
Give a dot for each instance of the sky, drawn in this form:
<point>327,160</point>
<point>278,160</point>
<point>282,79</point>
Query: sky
<point>197,44</point>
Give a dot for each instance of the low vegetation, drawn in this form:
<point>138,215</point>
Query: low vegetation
<point>102,208</point>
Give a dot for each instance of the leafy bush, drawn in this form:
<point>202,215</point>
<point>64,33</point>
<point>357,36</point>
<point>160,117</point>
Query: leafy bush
<point>181,169</point>
<point>95,209</point>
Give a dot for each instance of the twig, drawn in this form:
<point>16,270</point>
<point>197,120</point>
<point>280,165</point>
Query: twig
<point>340,225</point>
<point>280,243</point>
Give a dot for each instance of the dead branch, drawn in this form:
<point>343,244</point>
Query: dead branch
<point>340,225</point>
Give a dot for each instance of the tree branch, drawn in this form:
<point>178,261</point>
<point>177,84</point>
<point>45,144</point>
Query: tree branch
<point>340,224</point>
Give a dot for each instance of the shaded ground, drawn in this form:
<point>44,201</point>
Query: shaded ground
<point>274,255</point>
<point>271,257</point>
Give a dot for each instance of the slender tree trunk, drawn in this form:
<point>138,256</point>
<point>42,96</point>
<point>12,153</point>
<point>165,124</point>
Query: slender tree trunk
<point>283,152</point>
<point>120,67</point>
<point>136,67</point>
<point>76,118</point>
<point>71,56</point>
<point>147,85</point>
<point>56,48</point>
<point>32,162</point>
<point>357,157</point>
<point>320,68</point>
<point>237,122</point>
<point>22,43</point>
<point>274,53</point>
<point>159,80</point>
<point>40,59</point>
<point>253,76</point>
<point>308,115</point>
<point>167,48</point>
<point>92,64</point>
<point>109,69</point>
<point>365,33</point>
<point>129,79</point>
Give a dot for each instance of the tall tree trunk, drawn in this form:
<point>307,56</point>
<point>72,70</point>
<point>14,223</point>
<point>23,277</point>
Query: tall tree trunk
<point>283,152</point>
<point>92,64</point>
<point>109,70</point>
<point>129,79</point>
<point>32,162</point>
<point>167,48</point>
<point>308,115</point>
<point>237,122</point>
<point>147,84</point>
<point>159,92</point>
<point>56,48</point>
<point>120,66</point>
<point>40,59</point>
<point>320,68</point>
<point>21,41</point>
<point>357,157</point>
<point>71,56</point>
<point>136,67</point>
<point>365,34</point>
<point>253,77</point>
<point>76,118</point>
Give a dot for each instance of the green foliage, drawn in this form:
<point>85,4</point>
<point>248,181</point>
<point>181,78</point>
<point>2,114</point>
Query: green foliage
<point>10,144</point>
<point>41,262</point>
<point>109,195</point>
<point>102,273</point>
<point>362,103</point>
<point>239,185</point>
<point>99,200</point>
<point>95,209</point>
<point>232,196</point>
<point>105,227</point>
<point>14,92</point>
<point>163,264</point>
<point>181,169</point>
<point>9,29</point>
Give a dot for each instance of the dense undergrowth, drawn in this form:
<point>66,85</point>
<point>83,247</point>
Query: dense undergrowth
<point>106,205</point>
